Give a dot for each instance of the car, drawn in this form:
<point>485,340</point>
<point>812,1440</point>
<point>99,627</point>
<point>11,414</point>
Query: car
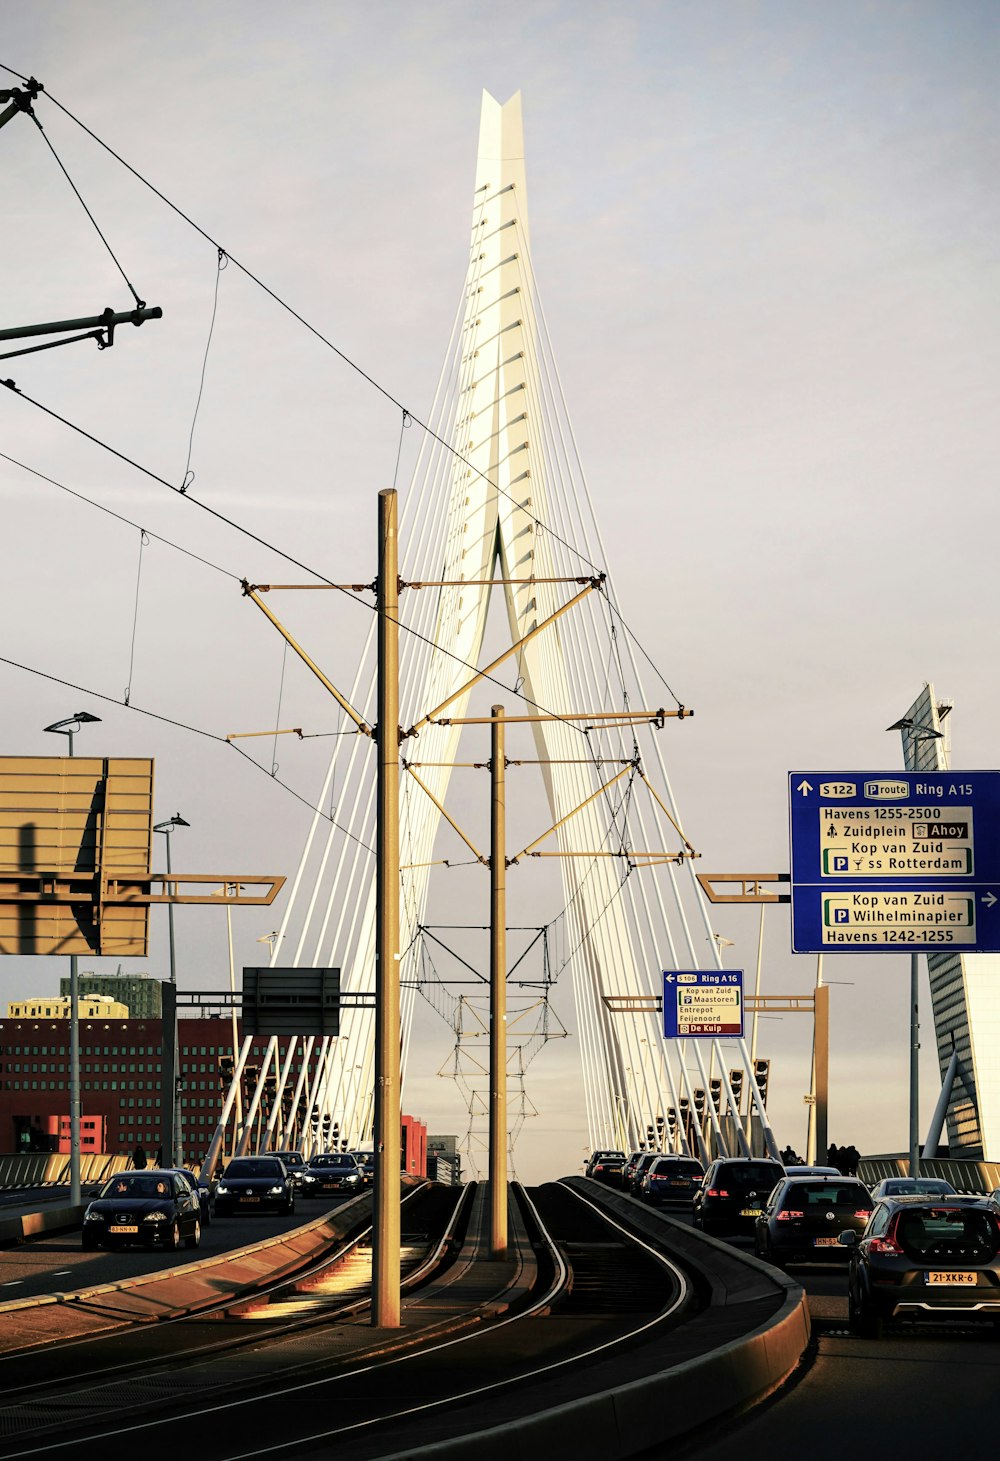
<point>628,1171</point>
<point>924,1258</point>
<point>804,1171</point>
<point>366,1162</point>
<point>671,1180</point>
<point>295,1165</point>
<point>335,1172</point>
<point>805,1216</point>
<point>146,1207</point>
<point>646,1160</point>
<point>205,1191</point>
<point>598,1156</point>
<point>251,1184</point>
<point>609,1169</point>
<point>912,1187</point>
<point>732,1196</point>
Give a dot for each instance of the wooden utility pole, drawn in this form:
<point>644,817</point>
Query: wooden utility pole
<point>498,990</point>
<point>385,1246</point>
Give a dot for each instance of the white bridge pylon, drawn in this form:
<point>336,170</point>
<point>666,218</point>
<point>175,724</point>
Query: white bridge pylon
<point>510,501</point>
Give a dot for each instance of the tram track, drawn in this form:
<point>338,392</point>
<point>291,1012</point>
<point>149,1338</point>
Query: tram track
<point>300,1365</point>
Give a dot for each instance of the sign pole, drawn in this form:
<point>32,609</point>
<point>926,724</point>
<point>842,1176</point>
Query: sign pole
<point>819,1111</point>
<point>385,1245</point>
<point>498,990</point>
<point>914,1067</point>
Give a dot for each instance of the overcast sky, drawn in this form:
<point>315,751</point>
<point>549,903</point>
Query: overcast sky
<point>765,235</point>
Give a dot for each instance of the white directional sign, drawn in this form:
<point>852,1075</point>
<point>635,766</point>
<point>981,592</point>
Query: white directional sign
<point>703,1004</point>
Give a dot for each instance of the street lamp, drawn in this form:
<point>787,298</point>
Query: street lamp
<point>68,728</point>
<point>172,1137</point>
<point>71,725</point>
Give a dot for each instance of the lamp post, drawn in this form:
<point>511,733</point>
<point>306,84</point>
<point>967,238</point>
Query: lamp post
<point>69,728</point>
<point>173,1142</point>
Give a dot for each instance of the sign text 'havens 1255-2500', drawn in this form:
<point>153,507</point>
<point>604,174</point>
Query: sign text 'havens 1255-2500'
<point>890,861</point>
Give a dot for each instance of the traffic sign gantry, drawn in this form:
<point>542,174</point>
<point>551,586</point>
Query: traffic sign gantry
<point>702,1004</point>
<point>890,861</point>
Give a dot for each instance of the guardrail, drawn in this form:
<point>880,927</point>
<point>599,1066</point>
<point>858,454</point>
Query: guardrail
<point>51,1169</point>
<point>964,1173</point>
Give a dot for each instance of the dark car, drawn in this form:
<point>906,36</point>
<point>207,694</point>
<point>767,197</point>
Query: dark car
<point>805,1216</point>
<point>671,1180</point>
<point>296,1167</point>
<point>250,1184</point>
<point>924,1258</point>
<point>205,1191</point>
<point>146,1207</point>
<point>366,1165</point>
<point>912,1187</point>
<point>628,1171</point>
<point>642,1166</point>
<point>598,1157</point>
<point>335,1172</point>
<point>733,1194</point>
<point>608,1169</point>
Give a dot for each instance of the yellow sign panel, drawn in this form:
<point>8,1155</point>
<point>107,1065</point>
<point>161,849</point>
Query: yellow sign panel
<point>68,827</point>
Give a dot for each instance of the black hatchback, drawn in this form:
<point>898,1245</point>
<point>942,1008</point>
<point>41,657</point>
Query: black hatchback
<point>144,1207</point>
<point>805,1216</point>
<point>924,1258</point>
<point>733,1194</point>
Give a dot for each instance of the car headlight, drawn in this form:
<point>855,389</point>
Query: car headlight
<point>156,1217</point>
<point>93,1217</point>
<point>275,1191</point>
<point>222,1190</point>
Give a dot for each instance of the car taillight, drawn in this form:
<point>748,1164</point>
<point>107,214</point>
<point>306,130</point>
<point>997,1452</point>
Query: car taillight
<point>716,1192</point>
<point>863,1212</point>
<point>887,1247</point>
<point>788,1214</point>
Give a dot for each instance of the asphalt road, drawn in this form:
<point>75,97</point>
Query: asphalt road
<point>928,1386</point>
<point>55,1264</point>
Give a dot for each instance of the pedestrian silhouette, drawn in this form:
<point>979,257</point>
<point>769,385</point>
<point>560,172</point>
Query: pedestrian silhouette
<point>138,1159</point>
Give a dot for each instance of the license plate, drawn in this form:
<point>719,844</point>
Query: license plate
<point>952,1278</point>
<point>751,1211</point>
<point>678,1182</point>
<point>826,1242</point>
<point>121,1228</point>
<point>249,1199</point>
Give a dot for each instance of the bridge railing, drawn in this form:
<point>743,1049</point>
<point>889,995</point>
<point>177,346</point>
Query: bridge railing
<point>48,1169</point>
<point>964,1173</point>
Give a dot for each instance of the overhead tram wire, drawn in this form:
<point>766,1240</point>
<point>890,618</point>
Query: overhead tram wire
<point>264,543</point>
<point>194,730</point>
<point>100,507</point>
<point>376,385</point>
<point>283,304</point>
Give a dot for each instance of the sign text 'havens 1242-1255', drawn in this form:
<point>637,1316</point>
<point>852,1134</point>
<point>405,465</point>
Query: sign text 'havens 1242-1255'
<point>891,861</point>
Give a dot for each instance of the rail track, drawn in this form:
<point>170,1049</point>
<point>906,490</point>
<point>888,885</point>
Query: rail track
<point>297,1370</point>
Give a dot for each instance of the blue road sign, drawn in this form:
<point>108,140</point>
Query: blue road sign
<point>702,1004</point>
<point>895,861</point>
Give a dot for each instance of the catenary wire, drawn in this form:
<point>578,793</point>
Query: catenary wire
<point>195,730</point>
<point>264,543</point>
<point>283,304</point>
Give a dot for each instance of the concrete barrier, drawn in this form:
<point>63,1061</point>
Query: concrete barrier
<point>632,1415</point>
<point>18,1227</point>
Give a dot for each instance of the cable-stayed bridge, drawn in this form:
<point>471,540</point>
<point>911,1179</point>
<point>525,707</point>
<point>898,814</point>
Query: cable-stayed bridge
<point>499,500</point>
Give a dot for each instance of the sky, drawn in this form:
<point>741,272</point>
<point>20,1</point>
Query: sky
<point>765,235</point>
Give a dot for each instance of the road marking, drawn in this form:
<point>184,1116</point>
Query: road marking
<point>60,1271</point>
<point>13,1283</point>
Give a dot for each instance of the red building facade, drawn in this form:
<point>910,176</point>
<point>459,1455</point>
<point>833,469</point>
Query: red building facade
<point>120,1083</point>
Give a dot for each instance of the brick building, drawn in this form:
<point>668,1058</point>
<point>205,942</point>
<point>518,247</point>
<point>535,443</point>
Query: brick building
<point>120,1083</point>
